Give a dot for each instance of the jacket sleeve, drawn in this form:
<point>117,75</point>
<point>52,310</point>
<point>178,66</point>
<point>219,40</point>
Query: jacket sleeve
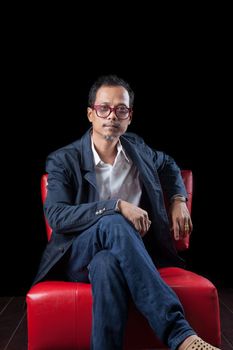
<point>169,175</point>
<point>63,214</point>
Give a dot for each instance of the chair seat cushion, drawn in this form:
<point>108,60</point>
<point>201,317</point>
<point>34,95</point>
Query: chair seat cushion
<point>60,313</point>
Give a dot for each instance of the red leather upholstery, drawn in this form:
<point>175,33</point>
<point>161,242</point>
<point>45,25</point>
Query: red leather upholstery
<point>59,313</point>
<point>59,316</point>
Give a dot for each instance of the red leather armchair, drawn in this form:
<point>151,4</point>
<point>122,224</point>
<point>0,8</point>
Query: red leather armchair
<point>59,313</point>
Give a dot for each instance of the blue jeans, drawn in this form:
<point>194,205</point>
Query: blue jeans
<point>112,256</point>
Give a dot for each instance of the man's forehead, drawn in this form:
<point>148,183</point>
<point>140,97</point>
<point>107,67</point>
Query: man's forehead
<point>108,93</point>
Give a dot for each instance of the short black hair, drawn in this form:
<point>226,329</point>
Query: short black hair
<point>109,80</point>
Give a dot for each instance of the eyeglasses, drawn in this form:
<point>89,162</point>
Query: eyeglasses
<point>121,111</point>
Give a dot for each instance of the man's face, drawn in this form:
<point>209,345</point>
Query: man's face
<point>111,127</point>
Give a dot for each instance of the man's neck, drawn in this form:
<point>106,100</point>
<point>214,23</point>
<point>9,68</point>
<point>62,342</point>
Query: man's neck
<point>106,148</point>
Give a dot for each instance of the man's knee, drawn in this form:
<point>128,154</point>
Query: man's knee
<point>103,263</point>
<point>114,219</point>
<point>116,226</point>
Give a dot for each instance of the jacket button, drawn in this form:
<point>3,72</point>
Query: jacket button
<point>62,250</point>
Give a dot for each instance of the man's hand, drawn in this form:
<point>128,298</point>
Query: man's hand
<point>181,223</point>
<point>137,216</point>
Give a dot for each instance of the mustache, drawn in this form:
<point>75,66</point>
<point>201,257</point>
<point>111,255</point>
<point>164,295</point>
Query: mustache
<point>114,125</point>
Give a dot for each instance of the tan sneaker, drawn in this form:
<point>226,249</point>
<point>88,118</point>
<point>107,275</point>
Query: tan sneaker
<point>199,344</point>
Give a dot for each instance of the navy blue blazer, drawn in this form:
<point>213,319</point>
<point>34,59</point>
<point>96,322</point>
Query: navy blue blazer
<point>73,203</point>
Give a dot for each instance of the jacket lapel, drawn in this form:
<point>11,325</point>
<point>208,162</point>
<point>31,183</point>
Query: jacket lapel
<point>148,175</point>
<point>87,163</point>
<point>150,181</point>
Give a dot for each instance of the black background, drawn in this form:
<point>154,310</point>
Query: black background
<point>180,79</point>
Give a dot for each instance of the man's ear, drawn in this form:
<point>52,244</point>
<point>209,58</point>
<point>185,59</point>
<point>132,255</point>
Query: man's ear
<point>130,117</point>
<point>89,114</point>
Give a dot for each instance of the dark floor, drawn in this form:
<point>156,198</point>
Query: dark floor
<point>13,321</point>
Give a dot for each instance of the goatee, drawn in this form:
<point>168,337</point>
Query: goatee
<point>109,138</point>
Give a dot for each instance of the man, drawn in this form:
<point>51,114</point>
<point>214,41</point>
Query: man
<point>110,227</point>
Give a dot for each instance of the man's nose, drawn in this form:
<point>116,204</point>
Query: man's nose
<point>112,115</point>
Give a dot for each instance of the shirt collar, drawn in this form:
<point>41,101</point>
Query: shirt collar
<point>120,150</point>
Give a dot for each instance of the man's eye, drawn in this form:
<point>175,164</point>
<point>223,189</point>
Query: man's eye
<point>122,109</point>
<point>103,108</point>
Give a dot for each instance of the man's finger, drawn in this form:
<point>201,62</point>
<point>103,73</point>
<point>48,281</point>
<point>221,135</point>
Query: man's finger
<point>176,231</point>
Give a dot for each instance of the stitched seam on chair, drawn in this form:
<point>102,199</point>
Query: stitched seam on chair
<point>76,315</point>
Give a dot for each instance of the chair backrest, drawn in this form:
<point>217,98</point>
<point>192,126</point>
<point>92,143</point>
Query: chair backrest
<point>187,176</point>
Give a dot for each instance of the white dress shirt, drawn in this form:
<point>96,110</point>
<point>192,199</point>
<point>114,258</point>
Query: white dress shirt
<point>117,181</point>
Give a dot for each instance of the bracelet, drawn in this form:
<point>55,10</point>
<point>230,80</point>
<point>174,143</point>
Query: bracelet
<point>179,198</point>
